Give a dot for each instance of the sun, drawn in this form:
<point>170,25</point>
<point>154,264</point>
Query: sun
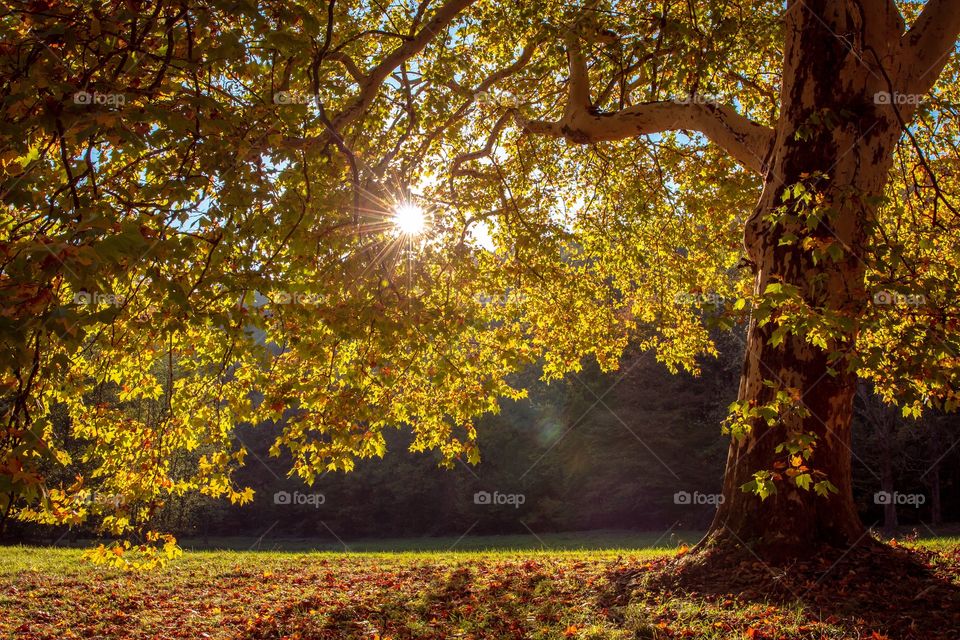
<point>409,219</point>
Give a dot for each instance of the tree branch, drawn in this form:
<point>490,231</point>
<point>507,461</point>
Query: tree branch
<point>472,94</point>
<point>578,86</point>
<point>370,86</point>
<point>746,141</point>
<point>455,169</point>
<point>347,62</point>
<point>928,44</point>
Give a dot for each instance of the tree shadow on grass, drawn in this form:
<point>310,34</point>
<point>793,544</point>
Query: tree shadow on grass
<point>431,607</point>
<point>874,591</point>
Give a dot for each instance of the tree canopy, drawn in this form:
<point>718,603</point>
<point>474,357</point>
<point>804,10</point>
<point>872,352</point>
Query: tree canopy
<point>198,225</point>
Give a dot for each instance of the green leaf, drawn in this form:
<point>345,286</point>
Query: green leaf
<point>824,487</point>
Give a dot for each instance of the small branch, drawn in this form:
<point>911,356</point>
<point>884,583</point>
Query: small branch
<point>472,94</point>
<point>487,149</point>
<point>351,159</point>
<point>375,78</point>
<point>65,161</point>
<point>348,63</point>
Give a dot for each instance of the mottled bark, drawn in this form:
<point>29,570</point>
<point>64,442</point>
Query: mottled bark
<point>834,137</point>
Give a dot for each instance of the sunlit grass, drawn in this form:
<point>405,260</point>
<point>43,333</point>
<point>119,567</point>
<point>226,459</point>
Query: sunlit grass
<point>225,551</point>
<point>552,586</point>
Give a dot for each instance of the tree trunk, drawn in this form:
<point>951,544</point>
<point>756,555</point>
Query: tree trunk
<point>936,510</point>
<point>886,476</point>
<point>835,140</point>
<point>935,450</point>
<point>882,423</point>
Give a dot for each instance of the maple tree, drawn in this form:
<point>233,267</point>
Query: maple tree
<point>198,203</point>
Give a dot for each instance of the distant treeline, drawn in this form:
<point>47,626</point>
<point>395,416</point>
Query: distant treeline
<point>639,448</point>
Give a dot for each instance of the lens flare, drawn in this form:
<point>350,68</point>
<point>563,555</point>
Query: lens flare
<point>409,219</point>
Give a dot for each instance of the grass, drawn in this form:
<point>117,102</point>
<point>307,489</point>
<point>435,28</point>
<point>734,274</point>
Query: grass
<point>609,540</point>
<point>486,587</point>
<point>587,540</point>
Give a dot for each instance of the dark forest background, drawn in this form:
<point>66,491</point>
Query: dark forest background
<point>637,449</point>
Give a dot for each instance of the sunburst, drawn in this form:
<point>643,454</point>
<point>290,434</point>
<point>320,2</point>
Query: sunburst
<point>395,224</point>
<point>409,219</point>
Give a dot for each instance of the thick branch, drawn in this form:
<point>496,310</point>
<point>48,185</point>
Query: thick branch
<point>578,87</point>
<point>746,141</point>
<point>370,86</point>
<point>928,44</point>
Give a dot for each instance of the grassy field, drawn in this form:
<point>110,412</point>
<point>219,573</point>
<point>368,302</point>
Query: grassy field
<point>574,588</point>
<point>580,540</point>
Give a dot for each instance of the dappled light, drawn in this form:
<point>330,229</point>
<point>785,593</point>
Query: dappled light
<point>631,319</point>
